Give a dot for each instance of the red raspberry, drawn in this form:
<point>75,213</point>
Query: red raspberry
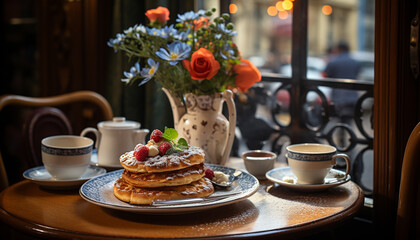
<point>156,135</point>
<point>141,152</point>
<point>209,174</point>
<point>164,147</point>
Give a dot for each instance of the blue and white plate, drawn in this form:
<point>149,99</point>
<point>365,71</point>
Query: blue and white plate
<point>99,191</point>
<point>286,178</point>
<point>40,176</point>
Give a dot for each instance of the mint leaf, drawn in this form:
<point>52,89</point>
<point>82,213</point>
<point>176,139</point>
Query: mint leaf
<point>182,143</point>
<point>171,150</point>
<point>170,134</point>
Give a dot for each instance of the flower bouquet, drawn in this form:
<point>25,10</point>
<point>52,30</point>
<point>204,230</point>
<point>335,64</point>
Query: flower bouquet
<point>196,55</point>
<point>197,61</point>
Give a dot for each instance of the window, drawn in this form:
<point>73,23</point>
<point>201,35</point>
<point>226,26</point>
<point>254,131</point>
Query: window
<point>299,100</point>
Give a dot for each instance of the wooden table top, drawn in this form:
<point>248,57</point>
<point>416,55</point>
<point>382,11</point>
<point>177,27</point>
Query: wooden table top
<point>272,211</point>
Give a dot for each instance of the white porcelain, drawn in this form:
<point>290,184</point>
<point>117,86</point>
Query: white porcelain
<point>258,162</point>
<point>284,177</point>
<point>99,191</point>
<point>311,162</point>
<point>40,175</point>
<point>94,162</point>
<point>66,156</point>
<point>113,138</point>
<point>203,124</point>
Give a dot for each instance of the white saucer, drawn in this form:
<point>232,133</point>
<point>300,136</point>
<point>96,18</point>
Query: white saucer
<point>40,176</point>
<point>94,162</point>
<point>285,177</point>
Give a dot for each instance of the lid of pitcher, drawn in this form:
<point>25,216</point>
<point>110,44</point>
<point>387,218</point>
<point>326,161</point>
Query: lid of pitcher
<point>119,123</point>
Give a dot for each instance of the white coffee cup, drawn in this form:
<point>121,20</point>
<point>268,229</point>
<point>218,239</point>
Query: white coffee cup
<point>258,162</point>
<point>66,156</point>
<point>311,162</point>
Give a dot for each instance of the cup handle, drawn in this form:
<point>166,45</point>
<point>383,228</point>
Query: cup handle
<point>96,132</point>
<point>342,155</point>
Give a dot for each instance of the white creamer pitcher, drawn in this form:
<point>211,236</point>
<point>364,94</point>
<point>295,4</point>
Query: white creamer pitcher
<point>113,138</point>
<point>202,123</point>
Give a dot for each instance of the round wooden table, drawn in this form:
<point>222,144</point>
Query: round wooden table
<point>273,211</point>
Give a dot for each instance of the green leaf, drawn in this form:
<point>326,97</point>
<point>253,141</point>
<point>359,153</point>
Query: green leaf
<point>182,142</point>
<point>170,134</point>
<point>171,150</point>
<point>182,145</point>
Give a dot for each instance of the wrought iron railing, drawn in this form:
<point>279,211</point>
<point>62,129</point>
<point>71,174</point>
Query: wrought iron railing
<point>284,110</point>
<point>305,112</point>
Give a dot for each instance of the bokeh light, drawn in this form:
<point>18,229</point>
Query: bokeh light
<point>283,14</point>
<point>279,5</point>
<point>327,9</point>
<point>233,8</point>
<point>272,11</point>
<point>287,5</point>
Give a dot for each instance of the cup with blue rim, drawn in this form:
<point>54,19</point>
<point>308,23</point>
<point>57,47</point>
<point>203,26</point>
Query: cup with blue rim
<point>311,162</point>
<point>66,156</point>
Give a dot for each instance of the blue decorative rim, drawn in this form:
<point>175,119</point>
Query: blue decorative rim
<point>310,157</point>
<point>66,152</point>
<point>99,191</point>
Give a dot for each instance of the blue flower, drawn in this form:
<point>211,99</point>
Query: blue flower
<point>227,51</point>
<point>155,32</point>
<point>116,41</point>
<point>188,16</point>
<point>218,36</point>
<point>163,33</point>
<point>141,29</point>
<point>182,35</point>
<point>148,73</point>
<point>111,43</point>
<point>135,29</point>
<point>223,29</point>
<point>170,30</point>
<point>177,51</point>
<point>134,71</point>
<point>130,29</point>
<point>201,12</point>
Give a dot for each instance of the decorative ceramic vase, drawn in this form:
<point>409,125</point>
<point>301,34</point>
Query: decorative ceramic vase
<point>202,123</point>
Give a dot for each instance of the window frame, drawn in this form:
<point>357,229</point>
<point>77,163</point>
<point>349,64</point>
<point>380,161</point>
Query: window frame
<point>298,84</point>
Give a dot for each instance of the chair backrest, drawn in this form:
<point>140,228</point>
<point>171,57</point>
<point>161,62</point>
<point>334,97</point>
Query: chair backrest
<point>46,121</point>
<point>408,212</point>
<point>42,123</point>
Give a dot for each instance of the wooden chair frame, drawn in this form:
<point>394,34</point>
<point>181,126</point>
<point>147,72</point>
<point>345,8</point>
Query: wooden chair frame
<point>53,101</point>
<point>407,223</point>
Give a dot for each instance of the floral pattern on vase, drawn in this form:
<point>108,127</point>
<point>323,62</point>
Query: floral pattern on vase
<point>202,123</point>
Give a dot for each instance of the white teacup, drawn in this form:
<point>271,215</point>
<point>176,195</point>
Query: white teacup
<point>66,156</point>
<point>258,162</point>
<point>311,162</point>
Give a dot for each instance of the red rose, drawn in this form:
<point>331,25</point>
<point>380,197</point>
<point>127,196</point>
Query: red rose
<point>202,65</point>
<point>247,75</point>
<point>160,14</point>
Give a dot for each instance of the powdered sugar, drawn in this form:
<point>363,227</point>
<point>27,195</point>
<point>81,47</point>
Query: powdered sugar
<point>162,162</point>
